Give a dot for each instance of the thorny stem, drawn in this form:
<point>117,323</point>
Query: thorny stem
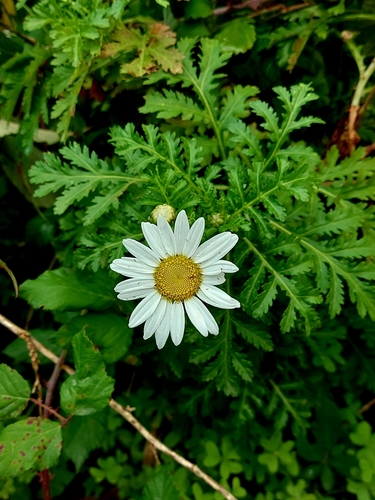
<point>50,410</point>
<point>52,383</point>
<point>126,414</point>
<point>45,482</point>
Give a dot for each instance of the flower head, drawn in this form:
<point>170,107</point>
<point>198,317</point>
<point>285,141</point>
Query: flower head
<point>174,275</point>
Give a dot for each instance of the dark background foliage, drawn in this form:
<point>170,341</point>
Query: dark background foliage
<point>291,422</point>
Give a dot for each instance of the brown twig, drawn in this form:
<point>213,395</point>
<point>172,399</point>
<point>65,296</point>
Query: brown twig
<point>31,347</point>
<point>62,419</point>
<point>21,333</point>
<point>370,149</point>
<point>367,406</point>
<point>283,9</point>
<point>126,414</point>
<point>254,3</point>
<point>51,384</point>
<point>250,4</point>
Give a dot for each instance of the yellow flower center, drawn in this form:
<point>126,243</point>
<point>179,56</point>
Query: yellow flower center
<point>178,278</point>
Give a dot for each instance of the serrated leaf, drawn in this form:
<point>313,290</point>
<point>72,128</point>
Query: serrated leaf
<point>86,174</point>
<point>254,335</point>
<point>236,104</point>
<point>153,49</point>
<point>89,389</point>
<point>161,487</point>
<point>265,299</point>
<point>83,435</point>
<point>243,366</point>
<point>107,331</point>
<point>33,443</point>
<point>14,392</point>
<point>173,104</point>
<point>60,290</point>
<point>274,207</point>
<point>252,285</point>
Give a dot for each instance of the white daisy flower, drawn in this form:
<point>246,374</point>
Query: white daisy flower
<point>176,274</point>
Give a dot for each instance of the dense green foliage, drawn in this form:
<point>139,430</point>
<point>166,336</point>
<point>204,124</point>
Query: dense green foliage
<point>110,108</point>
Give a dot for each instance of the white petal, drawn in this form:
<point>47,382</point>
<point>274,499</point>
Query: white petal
<point>194,237</point>
<point>144,309</point>
<point>141,252</point>
<point>215,248</point>
<point>195,315</point>
<point>140,282</point>
<point>152,236</point>
<point>181,230</point>
<point>218,279</point>
<point>162,332</point>
<point>216,297</point>
<point>221,266</point>
<point>177,322</point>
<point>210,321</point>
<point>130,267</point>
<point>154,320</point>
<point>134,288</point>
<point>137,294</point>
<point>166,235</point>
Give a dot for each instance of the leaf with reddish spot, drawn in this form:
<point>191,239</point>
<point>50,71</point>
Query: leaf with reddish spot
<point>22,446</point>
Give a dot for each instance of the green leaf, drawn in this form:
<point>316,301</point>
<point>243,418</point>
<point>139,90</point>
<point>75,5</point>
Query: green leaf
<point>362,434</point>
<point>161,487</point>
<point>198,9</point>
<point>212,457</point>
<point>238,36</point>
<point>62,290</point>
<point>172,104</point>
<point>14,393</point>
<point>83,435</point>
<point>254,335</point>
<point>236,105</point>
<point>108,331</point>
<point>270,461</point>
<point>243,366</point>
<point>33,443</point>
<point>265,299</point>
<point>84,175</point>
<point>90,388</point>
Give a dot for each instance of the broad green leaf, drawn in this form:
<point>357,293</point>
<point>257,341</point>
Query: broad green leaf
<point>161,487</point>
<point>198,9</point>
<point>238,36</point>
<point>212,456</point>
<point>362,434</point>
<point>108,331</point>
<point>62,290</point>
<point>83,435</point>
<point>14,392</point>
<point>90,388</point>
<point>33,443</point>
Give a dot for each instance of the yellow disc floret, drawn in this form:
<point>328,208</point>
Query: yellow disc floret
<point>178,278</point>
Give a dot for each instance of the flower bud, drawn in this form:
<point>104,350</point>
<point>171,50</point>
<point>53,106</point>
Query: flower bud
<point>166,211</point>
